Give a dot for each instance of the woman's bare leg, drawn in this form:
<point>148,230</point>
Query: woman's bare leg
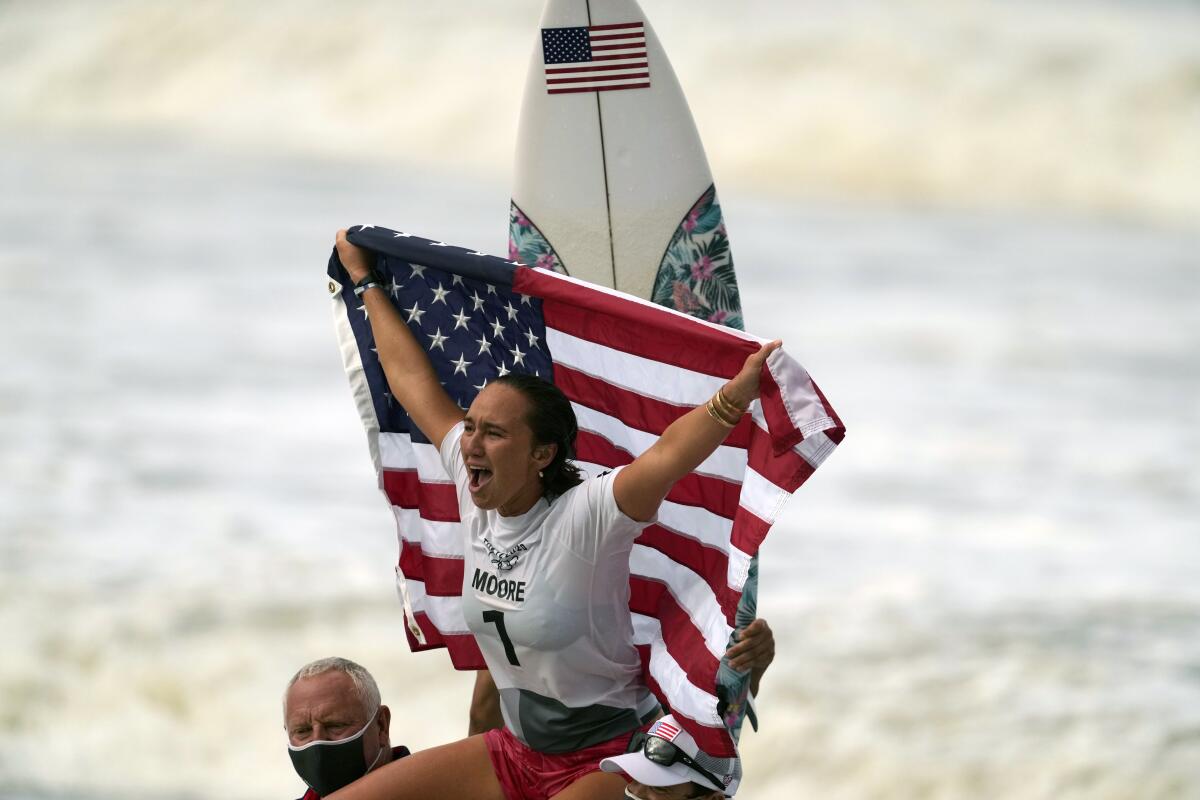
<point>595,786</point>
<point>460,769</point>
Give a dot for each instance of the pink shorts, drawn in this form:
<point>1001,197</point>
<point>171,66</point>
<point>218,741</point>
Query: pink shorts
<point>526,774</point>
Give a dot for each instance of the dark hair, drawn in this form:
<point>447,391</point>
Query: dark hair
<point>552,421</point>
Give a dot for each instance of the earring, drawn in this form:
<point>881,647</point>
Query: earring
<point>541,474</point>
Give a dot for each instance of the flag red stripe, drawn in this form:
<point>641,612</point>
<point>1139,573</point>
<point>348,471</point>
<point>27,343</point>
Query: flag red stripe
<point>433,636</point>
<point>601,68</point>
<point>437,502</point>
<point>634,328</point>
<point>615,26</point>
<point>618,56</point>
<point>640,45</point>
<point>633,36</point>
<point>786,470</point>
<point>599,88</point>
<point>684,642</point>
<point>702,491</point>
<point>668,729</point>
<point>749,530</point>
<point>464,652</point>
<point>708,562</point>
<point>443,577</point>
<point>592,78</point>
<point>838,433</point>
<point>635,410</point>
<point>595,448</point>
<point>784,435</point>
<point>714,741</point>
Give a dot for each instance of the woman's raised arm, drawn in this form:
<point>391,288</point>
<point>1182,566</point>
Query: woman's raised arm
<point>410,376</point>
<point>639,489</point>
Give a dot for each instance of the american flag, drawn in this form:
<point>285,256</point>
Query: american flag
<point>664,730</point>
<point>597,58</point>
<point>629,368</point>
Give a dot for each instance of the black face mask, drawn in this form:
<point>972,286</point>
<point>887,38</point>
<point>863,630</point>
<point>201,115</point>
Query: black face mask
<point>328,766</point>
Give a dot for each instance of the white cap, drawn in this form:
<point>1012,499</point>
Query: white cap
<point>727,770</point>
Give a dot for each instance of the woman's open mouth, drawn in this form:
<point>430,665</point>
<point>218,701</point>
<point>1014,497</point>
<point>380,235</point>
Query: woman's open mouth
<point>479,477</point>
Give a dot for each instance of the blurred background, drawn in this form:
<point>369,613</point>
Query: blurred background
<point>976,222</point>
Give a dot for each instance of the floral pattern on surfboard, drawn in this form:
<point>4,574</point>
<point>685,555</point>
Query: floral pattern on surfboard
<point>527,244</point>
<point>696,273</point>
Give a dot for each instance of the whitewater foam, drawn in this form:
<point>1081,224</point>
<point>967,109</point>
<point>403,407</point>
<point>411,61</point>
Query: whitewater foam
<point>1086,106</point>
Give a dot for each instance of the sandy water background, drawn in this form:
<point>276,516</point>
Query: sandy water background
<point>990,591</point>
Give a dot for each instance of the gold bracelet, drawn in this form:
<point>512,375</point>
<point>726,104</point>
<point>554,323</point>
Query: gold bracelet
<point>728,410</point>
<point>712,412</point>
<point>727,405</point>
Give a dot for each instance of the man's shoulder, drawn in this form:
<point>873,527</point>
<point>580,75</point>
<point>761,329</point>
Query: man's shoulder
<point>397,753</point>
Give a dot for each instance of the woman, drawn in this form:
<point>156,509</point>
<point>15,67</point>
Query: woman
<point>546,570</point>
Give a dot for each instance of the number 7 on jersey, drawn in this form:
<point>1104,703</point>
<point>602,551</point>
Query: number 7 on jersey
<point>497,619</point>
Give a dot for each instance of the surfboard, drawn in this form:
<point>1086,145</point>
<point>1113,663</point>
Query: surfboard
<point>611,183</point>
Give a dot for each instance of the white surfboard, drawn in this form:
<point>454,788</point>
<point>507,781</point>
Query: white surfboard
<point>611,181</point>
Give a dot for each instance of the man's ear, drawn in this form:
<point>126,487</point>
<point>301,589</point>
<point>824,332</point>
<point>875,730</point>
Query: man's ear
<point>385,724</point>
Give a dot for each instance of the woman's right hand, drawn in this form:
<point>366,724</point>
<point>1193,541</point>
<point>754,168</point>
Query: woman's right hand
<point>742,389</point>
<point>355,259</point>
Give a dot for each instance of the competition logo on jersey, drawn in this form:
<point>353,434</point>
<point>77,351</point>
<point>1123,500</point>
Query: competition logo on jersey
<point>504,559</point>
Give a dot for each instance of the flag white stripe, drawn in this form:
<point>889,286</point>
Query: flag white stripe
<point>802,407</point>
<point>693,595</point>
<point>700,524</point>
<point>611,60</point>
<point>739,568</point>
<point>352,362</point>
<point>440,539</point>
<point>396,451</point>
<point>816,447</point>
<point>632,83</point>
<point>613,76</point>
<point>761,497</point>
<point>633,372</point>
<point>444,612</point>
<point>683,695</point>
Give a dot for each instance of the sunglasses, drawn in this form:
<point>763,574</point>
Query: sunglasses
<point>663,753</point>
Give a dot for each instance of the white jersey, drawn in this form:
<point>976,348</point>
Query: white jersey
<point>546,594</point>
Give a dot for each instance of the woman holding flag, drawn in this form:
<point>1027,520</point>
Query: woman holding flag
<point>546,569</point>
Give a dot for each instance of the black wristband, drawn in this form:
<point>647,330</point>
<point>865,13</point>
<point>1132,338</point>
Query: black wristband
<point>368,281</point>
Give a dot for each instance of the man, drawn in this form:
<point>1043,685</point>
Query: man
<point>665,764</point>
<point>337,728</point>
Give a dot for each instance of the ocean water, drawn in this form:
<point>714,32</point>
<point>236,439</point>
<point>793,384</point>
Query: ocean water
<point>989,591</point>
<point>1021,104</point>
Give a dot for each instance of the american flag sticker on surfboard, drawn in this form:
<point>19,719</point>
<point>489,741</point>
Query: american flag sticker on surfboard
<point>596,58</point>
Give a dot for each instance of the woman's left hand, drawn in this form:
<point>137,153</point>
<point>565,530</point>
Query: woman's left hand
<point>742,390</point>
<point>755,648</point>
